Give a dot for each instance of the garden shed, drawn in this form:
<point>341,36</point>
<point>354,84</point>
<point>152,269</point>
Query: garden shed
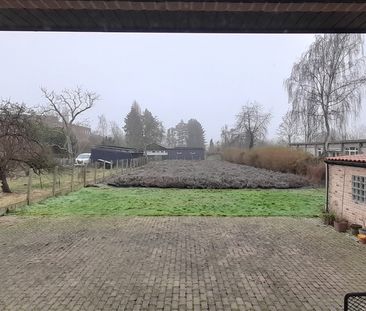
<point>114,153</point>
<point>346,187</point>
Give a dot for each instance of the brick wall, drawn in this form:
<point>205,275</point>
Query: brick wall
<point>340,193</point>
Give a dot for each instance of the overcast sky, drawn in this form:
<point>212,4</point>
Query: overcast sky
<point>175,76</point>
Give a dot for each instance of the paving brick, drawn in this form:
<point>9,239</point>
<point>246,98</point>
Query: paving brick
<point>176,263</point>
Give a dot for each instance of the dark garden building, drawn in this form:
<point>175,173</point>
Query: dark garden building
<point>158,152</point>
<point>113,153</point>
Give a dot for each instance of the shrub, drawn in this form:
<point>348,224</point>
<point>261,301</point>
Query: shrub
<point>234,155</point>
<point>316,173</point>
<point>279,159</point>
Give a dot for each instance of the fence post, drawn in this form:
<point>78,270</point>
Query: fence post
<point>111,169</point>
<point>72,177</point>
<point>122,166</point>
<point>95,172</point>
<point>29,186</point>
<point>84,175</point>
<point>54,180</point>
<point>103,170</point>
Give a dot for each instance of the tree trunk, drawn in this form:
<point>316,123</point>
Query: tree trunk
<point>69,144</point>
<point>327,136</point>
<point>251,141</point>
<point>4,182</point>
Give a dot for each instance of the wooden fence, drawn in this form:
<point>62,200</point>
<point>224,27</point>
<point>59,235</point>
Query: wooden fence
<point>64,179</point>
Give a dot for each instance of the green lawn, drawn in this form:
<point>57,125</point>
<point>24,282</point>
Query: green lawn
<point>175,202</point>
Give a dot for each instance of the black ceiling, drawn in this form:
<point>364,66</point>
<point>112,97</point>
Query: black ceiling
<point>208,16</point>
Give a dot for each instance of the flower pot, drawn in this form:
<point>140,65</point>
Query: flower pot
<point>341,226</point>
<point>355,229</point>
<point>362,238</point>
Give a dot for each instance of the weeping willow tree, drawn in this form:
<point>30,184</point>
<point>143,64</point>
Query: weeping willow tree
<point>326,84</point>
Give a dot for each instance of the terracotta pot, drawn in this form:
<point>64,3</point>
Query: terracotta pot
<point>341,226</point>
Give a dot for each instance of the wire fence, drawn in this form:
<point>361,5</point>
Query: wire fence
<point>33,188</point>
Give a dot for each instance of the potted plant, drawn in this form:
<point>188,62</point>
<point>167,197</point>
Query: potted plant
<point>340,225</point>
<point>355,228</point>
<point>328,218</point>
<point>362,238</point>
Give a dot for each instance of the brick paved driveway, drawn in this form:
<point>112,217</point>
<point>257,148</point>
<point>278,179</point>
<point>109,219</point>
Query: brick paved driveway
<point>176,263</point>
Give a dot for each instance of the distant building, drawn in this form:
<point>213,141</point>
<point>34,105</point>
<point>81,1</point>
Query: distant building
<point>113,153</point>
<point>82,133</point>
<point>346,187</point>
<point>158,152</point>
<point>335,148</point>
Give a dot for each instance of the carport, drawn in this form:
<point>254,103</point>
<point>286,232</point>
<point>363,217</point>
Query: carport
<point>235,16</point>
<point>194,16</point>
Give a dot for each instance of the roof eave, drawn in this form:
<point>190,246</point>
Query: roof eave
<point>346,163</point>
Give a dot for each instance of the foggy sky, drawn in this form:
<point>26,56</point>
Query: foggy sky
<point>175,76</point>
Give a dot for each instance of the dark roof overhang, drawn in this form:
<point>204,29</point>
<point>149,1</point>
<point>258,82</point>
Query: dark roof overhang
<point>255,16</point>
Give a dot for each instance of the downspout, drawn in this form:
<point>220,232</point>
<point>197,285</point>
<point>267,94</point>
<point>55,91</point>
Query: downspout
<point>327,187</point>
<point>344,184</point>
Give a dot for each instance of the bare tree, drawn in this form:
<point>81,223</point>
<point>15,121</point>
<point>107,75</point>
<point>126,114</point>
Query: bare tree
<point>356,132</point>
<point>102,128</point>
<point>68,106</point>
<point>20,143</point>
<point>308,122</point>
<point>325,86</point>
<point>117,134</point>
<point>252,122</point>
<point>288,130</point>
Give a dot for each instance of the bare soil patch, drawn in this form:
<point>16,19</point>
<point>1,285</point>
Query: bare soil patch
<point>206,174</point>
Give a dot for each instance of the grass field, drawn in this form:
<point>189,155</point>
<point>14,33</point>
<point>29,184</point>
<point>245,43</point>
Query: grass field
<point>179,202</point>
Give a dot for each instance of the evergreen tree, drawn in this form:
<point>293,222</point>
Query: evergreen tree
<point>211,148</point>
<point>182,134</point>
<point>153,129</point>
<point>171,137</point>
<point>195,134</point>
<point>134,127</point>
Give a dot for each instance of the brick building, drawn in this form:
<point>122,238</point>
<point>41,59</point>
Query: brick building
<point>82,133</point>
<point>346,187</point>
<point>335,148</point>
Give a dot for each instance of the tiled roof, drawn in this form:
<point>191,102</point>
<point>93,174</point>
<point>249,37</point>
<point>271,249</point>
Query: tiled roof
<point>358,158</point>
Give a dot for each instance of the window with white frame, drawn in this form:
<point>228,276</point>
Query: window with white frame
<point>351,150</point>
<point>359,189</point>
